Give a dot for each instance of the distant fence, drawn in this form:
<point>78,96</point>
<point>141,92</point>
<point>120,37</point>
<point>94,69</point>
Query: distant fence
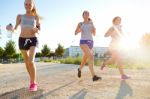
<point>14,60</point>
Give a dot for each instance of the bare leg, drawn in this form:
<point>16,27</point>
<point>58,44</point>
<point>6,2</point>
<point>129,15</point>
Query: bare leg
<point>26,59</point>
<point>109,61</point>
<point>119,64</point>
<point>31,64</point>
<point>84,59</point>
<point>90,57</point>
<point>120,67</point>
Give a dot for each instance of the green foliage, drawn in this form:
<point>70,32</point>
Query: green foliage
<point>1,52</point>
<point>45,50</point>
<point>50,60</point>
<point>59,51</point>
<point>76,60</point>
<point>10,49</point>
<point>68,60</point>
<point>97,62</point>
<point>38,54</point>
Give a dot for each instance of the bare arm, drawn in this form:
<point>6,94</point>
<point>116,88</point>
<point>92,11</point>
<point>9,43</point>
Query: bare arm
<point>109,32</point>
<point>78,29</point>
<point>38,23</point>
<point>18,20</point>
<point>93,29</point>
<point>37,28</point>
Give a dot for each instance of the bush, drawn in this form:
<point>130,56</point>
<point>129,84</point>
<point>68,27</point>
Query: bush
<point>77,60</point>
<point>97,62</point>
<point>47,60</point>
<point>71,60</point>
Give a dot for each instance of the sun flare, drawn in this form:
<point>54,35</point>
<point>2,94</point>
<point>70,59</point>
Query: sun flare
<point>129,43</point>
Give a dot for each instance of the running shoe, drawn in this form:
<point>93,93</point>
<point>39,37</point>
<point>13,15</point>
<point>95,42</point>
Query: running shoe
<point>95,78</point>
<point>79,72</point>
<point>124,77</point>
<point>33,87</point>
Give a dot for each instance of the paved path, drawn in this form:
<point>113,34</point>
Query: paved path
<point>59,81</point>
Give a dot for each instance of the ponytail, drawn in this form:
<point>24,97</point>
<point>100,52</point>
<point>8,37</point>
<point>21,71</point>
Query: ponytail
<point>89,19</point>
<point>34,11</point>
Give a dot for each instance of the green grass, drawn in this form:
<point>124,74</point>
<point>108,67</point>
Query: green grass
<point>71,60</point>
<point>77,60</point>
<point>50,60</point>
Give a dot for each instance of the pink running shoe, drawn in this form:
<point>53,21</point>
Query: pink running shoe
<point>102,66</point>
<point>33,87</point>
<point>124,77</point>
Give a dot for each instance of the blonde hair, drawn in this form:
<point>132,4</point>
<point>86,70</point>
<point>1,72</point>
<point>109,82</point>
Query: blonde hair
<point>34,11</point>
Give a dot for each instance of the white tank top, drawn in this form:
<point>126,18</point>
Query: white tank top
<point>86,31</point>
<point>28,22</point>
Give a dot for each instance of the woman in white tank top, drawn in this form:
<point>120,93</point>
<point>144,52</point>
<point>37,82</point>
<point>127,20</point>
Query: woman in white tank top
<point>87,30</point>
<point>28,41</point>
<point>115,32</point>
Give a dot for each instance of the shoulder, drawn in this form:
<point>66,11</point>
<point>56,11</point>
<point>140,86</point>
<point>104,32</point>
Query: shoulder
<point>91,22</point>
<point>19,15</point>
<point>80,23</point>
<point>111,28</point>
<point>37,17</point>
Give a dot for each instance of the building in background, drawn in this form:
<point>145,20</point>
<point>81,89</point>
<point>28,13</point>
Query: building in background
<point>75,51</point>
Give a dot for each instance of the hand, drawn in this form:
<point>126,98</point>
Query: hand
<point>35,30</point>
<point>9,27</point>
<point>76,33</point>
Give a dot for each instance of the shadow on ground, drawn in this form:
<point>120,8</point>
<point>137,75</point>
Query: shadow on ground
<point>124,90</point>
<point>79,95</point>
<point>23,93</point>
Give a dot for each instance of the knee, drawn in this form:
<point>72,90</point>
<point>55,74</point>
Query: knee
<point>29,62</point>
<point>85,56</point>
<point>26,61</point>
<point>91,57</point>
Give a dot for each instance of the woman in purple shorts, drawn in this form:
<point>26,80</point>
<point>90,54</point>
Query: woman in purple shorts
<point>87,30</point>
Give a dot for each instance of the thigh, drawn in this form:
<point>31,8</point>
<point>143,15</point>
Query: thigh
<point>32,52</point>
<point>86,49</point>
<point>25,55</point>
<point>115,56</point>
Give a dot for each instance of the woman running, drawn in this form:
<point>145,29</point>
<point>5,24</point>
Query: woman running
<point>28,41</point>
<point>87,29</point>
<point>115,32</point>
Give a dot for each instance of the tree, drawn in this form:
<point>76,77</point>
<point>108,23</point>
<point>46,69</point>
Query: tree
<point>1,52</point>
<point>38,54</point>
<point>45,50</point>
<point>59,51</point>
<point>10,49</point>
<point>53,55</point>
<point>17,55</point>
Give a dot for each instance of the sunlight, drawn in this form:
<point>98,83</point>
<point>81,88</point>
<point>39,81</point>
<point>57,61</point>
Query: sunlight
<point>129,43</point>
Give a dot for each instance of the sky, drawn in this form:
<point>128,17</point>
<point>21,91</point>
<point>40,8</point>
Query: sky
<point>60,18</point>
